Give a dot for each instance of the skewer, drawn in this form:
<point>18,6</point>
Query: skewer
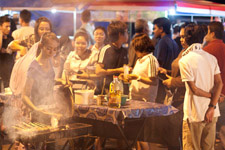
<point>17,128</point>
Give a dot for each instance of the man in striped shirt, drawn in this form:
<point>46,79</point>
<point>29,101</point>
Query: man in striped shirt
<point>113,56</point>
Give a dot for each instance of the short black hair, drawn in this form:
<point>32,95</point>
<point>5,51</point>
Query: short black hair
<point>104,30</point>
<point>163,23</point>
<point>4,19</point>
<point>142,43</point>
<point>25,15</point>
<point>86,16</point>
<point>114,28</point>
<point>84,34</point>
<point>217,28</point>
<point>176,28</point>
<point>194,33</point>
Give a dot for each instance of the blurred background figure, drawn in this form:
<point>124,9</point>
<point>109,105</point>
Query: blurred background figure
<point>86,25</point>
<point>141,27</point>
<point>176,35</point>
<point>65,48</point>
<point>25,30</point>
<point>6,58</point>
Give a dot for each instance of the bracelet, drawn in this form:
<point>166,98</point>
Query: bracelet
<point>211,105</point>
<point>139,78</point>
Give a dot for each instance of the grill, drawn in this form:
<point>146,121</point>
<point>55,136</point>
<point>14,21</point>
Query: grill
<point>38,132</point>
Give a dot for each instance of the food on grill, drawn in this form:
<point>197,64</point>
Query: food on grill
<point>31,127</point>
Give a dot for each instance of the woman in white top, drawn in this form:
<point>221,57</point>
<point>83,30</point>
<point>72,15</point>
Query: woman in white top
<point>144,82</point>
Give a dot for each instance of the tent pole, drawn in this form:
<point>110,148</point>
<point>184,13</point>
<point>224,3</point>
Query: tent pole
<point>74,21</point>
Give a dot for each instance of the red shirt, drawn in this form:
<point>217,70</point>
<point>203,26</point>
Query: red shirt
<point>217,49</point>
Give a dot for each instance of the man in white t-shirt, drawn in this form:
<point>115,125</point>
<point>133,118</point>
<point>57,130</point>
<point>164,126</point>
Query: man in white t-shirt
<point>25,29</point>
<point>201,74</point>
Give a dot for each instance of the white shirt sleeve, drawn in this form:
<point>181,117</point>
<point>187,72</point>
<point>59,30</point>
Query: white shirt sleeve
<point>102,54</point>
<point>217,68</point>
<point>153,66</point>
<point>185,71</point>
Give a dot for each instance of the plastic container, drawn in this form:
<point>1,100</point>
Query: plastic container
<point>83,96</point>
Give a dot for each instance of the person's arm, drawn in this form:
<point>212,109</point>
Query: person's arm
<point>218,85</point>
<point>173,82</point>
<point>103,72</point>
<point>197,91</point>
<point>85,75</point>
<point>15,46</point>
<point>28,102</point>
<point>146,80</point>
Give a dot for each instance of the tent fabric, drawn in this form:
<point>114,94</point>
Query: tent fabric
<point>26,3</point>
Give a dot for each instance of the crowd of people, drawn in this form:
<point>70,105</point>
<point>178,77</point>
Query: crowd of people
<point>186,71</point>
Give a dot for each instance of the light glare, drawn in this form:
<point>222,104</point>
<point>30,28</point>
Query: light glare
<point>53,10</point>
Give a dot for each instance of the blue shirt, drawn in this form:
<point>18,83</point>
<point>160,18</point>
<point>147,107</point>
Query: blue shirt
<point>166,50</point>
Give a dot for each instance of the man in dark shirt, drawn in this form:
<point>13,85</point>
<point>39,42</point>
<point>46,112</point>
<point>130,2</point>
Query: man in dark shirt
<point>113,56</point>
<point>166,50</point>
<point>6,58</point>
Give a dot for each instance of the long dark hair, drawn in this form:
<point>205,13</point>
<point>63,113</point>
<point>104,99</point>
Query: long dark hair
<point>37,23</point>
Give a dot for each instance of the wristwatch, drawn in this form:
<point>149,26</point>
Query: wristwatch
<point>211,105</point>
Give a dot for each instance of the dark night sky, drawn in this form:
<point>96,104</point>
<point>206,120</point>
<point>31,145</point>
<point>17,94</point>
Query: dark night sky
<point>218,1</point>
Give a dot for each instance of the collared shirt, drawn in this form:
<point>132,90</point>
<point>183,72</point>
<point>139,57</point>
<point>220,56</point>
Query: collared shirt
<point>75,63</point>
<point>200,67</point>
<point>217,49</point>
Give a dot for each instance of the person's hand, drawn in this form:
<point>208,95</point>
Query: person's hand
<point>121,69</point>
<point>91,84</point>
<point>168,82</point>
<point>23,51</point>
<point>121,76</point>
<point>82,74</point>
<point>209,115</point>
<point>58,116</point>
<point>132,77</point>
<point>61,81</point>
<point>162,70</point>
<point>222,98</point>
<point>3,50</point>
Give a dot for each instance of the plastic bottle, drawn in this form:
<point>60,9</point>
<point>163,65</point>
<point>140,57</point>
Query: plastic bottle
<point>115,92</point>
